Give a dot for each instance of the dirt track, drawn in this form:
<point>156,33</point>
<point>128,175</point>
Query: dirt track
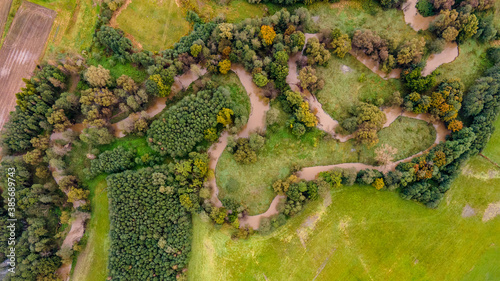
<point>20,52</point>
<point>4,13</point>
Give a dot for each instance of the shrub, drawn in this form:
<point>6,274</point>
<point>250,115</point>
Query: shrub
<point>425,8</point>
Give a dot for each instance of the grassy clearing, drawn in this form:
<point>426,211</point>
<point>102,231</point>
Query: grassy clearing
<point>118,69</point>
<point>234,11</point>
<point>343,90</point>
<point>359,14</point>
<point>92,262</point>
<point>469,65</point>
<point>365,234</point>
<point>251,184</point>
<point>408,135</point>
<point>157,25</point>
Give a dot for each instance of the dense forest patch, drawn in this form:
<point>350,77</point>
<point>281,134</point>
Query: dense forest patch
<point>150,229</point>
<point>186,124</point>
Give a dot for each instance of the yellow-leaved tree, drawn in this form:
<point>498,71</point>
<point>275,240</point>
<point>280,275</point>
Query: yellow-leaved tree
<point>268,34</point>
<point>224,66</point>
<point>224,116</point>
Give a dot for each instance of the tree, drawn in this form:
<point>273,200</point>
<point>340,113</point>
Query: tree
<point>158,86</point>
<point>470,25</point>
<point>260,80</point>
<point>75,194</point>
<point>268,34</point>
<point>33,157</point>
<point>443,4</point>
<point>114,41</point>
<point>97,76</point>
<point>455,125</point>
<point>224,66</point>
<point>369,113</point>
<point>341,43</point>
<point>96,136</point>
<point>450,34</point>
<point>411,52</point>
<point>305,116</point>
<point>112,161</point>
<point>367,134</point>
<point>59,120</point>
<point>316,52</point>
<point>225,30</point>
<point>378,183</point>
<point>195,50</point>
<point>244,153</point>
<point>385,154</point>
<point>309,80</point>
<point>127,83</point>
<point>225,116</point>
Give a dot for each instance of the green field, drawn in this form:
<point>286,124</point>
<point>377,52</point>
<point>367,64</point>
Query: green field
<point>365,234</point>
<point>234,11</point>
<point>92,261</point>
<point>251,183</point>
<point>155,24</point>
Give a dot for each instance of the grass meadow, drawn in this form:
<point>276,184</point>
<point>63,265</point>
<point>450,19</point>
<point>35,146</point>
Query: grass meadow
<point>93,260</point>
<point>344,89</point>
<point>363,14</point>
<point>365,234</point>
<point>157,25</point>
<point>234,11</point>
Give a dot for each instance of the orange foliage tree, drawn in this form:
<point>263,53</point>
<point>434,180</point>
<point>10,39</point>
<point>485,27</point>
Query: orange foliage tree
<point>268,34</point>
<point>455,125</point>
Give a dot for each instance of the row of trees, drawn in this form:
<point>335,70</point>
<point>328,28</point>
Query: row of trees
<point>35,106</point>
<point>36,227</point>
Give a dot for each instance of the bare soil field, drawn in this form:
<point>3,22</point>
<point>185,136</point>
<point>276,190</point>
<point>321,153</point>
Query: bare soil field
<point>20,52</point>
<point>4,12</point>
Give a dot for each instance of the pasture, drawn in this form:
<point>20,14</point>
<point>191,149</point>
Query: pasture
<point>364,234</point>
